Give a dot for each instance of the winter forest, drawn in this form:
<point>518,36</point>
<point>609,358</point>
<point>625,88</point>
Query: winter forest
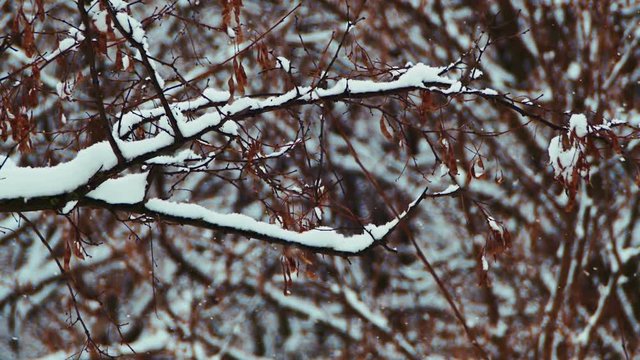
<point>323,179</point>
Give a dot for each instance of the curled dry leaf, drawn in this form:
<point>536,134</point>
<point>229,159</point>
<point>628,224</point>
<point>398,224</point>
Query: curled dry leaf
<point>289,266</point>
<point>384,130</point>
<point>232,88</point>
<point>240,75</point>
<point>499,239</point>
<point>482,268</point>
<point>449,156</point>
<point>263,58</point>
<point>477,169</point>
<point>28,40</point>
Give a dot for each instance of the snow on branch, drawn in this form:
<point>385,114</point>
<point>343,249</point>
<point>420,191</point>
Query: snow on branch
<point>131,119</point>
<point>128,192</point>
<point>28,182</point>
<point>568,154</point>
<point>419,76</point>
<point>21,184</point>
<point>128,189</point>
<point>321,239</point>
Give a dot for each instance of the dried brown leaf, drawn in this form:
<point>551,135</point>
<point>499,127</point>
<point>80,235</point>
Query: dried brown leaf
<point>385,131</point>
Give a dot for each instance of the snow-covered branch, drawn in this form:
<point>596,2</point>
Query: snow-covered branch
<point>26,188</point>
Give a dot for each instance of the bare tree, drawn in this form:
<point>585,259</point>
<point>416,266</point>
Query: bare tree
<point>379,179</point>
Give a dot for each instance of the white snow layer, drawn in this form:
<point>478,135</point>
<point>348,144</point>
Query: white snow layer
<point>28,182</point>
<point>563,160</point>
<point>129,189</point>
<point>321,237</point>
<point>578,124</point>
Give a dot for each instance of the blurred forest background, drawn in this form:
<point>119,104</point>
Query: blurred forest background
<point>519,262</point>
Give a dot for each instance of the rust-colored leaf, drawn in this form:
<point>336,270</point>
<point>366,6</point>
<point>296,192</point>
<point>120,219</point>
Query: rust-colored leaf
<point>427,103</point>
<point>226,13</point>
<point>101,44</point>
<point>40,9</point>
<point>67,255</point>
<point>237,5</point>
<point>118,62</point>
<point>77,249</point>
<point>15,26</point>
<point>232,88</point>
<point>265,61</point>
<point>449,157</point>
<point>28,40</point>
<point>384,130</point>
<point>241,78</point>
